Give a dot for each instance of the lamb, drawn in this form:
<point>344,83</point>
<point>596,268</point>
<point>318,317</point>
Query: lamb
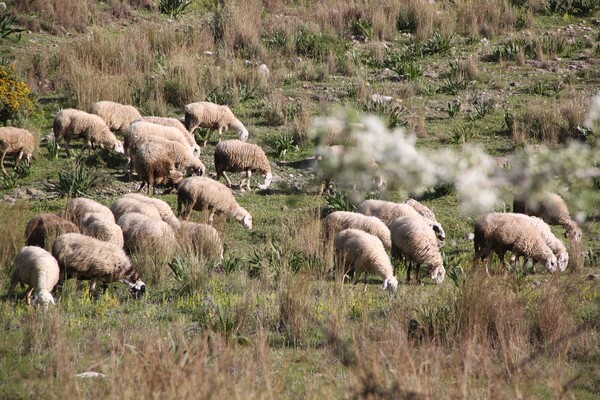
<point>235,156</point>
<point>200,239</point>
<point>86,258</point>
<point>553,210</point>
<point>73,124</point>
<point>144,234</point>
<point>16,141</point>
<point>340,220</point>
<point>485,225</point>
<point>36,268</point>
<point>500,232</point>
<point>388,211</point>
<point>201,193</point>
<point>42,229</point>
<point>175,123</point>
<point>363,252</point>
<point>78,207</point>
<point>163,210</point>
<point>158,160</point>
<point>99,227</point>
<point>413,240</point>
<point>421,209</point>
<point>212,116</point>
<point>117,116</point>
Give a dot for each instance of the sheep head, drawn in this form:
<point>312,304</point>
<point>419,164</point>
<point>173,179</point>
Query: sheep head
<point>268,180</point>
<point>438,274</point>
<point>44,298</point>
<point>391,284</point>
<point>562,261</point>
<point>119,148</point>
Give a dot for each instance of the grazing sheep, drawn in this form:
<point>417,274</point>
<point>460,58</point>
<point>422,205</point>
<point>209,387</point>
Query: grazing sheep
<point>201,193</point>
<point>200,239</point>
<point>159,160</point>
<point>117,116</point>
<point>86,258</point>
<point>175,123</point>
<point>363,252</point>
<point>73,124</point>
<point>78,207</point>
<point>145,235</point>
<point>501,232</point>
<point>126,205</point>
<point>421,209</point>
<point>212,116</point>
<point>557,247</point>
<point>36,268</point>
<point>42,229</point>
<point>340,220</point>
<point>237,156</point>
<point>16,141</point>
<point>164,209</point>
<point>388,211</point>
<point>413,239</point>
<point>553,210</point>
<point>99,227</point>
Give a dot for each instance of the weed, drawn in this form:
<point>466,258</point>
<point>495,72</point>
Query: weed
<point>362,27</point>
<point>436,44</point>
<point>9,181</point>
<point>284,144</point>
<point>76,181</point>
<point>7,29</point>
<point>453,108</point>
<point>173,7</point>
<point>52,148</point>
<point>276,40</point>
<point>483,106</point>
<point>338,201</point>
<point>578,8</point>
<point>453,85</point>
<point>463,134</point>
<point>391,112</point>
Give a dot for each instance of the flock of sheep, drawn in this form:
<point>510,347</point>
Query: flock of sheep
<point>90,241</point>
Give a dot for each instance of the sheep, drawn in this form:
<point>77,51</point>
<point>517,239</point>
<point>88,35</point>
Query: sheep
<point>421,209</point>
<point>363,252</point>
<point>117,116</point>
<point>212,116</point>
<point>143,131</point>
<point>235,156</point>
<point>501,232</point>
<point>200,239</point>
<point>340,220</point>
<point>72,124</point>
<point>200,193</point>
<point>159,160</point>
<point>485,225</point>
<point>413,240</point>
<point>16,141</point>
<point>42,229</point>
<point>144,234</point>
<point>99,227</point>
<point>164,209</point>
<point>175,123</point>
<point>125,205</point>
<point>553,210</point>
<point>86,258</point>
<point>388,211</point>
<point>78,207</point>
<point>36,268</point>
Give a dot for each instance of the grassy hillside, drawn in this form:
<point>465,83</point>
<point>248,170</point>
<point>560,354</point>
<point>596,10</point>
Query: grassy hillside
<point>274,320</point>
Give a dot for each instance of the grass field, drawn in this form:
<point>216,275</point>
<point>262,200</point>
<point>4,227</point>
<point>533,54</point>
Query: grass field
<point>274,320</point>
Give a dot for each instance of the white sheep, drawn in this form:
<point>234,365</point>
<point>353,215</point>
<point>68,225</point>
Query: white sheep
<point>143,131</point>
<point>125,205</point>
<point>363,252</point>
<point>42,229</point>
<point>145,235</point>
<point>36,268</point>
<point>388,211</point>
<point>201,193</point>
<point>421,209</point>
<point>553,210</point>
<point>78,207</point>
<point>16,141</point>
<point>99,227</point>
<point>86,258</point>
<point>212,116</point>
<point>73,124</point>
<point>557,247</point>
<point>163,208</point>
<point>200,239</point>
<point>237,156</point>
<point>413,240</point>
<point>117,116</point>
<point>175,123</point>
<point>160,160</point>
<point>501,232</point>
<point>340,220</point>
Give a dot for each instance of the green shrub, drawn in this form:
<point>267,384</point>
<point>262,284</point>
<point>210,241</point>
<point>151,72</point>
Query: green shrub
<point>173,7</point>
<point>76,181</point>
<point>15,96</point>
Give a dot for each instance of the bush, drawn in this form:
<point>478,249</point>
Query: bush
<point>15,96</point>
<point>75,182</point>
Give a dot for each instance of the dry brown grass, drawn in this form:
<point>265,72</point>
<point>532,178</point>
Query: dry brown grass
<point>484,18</point>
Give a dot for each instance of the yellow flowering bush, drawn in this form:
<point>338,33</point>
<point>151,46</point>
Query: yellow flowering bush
<point>15,96</point>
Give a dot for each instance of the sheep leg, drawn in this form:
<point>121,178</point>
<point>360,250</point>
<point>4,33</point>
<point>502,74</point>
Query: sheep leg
<point>67,148</point>
<point>141,186</point>
<point>208,135</point>
<point>408,268</point>
<point>29,291</point>
<point>417,270</point>
<point>366,278</point>
<point>248,175</point>
<point>18,161</point>
<point>2,162</point>
<point>226,178</point>
<point>211,217</point>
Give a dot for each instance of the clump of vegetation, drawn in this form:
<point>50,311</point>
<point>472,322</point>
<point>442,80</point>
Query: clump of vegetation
<point>173,7</point>
<point>76,181</point>
<point>15,97</point>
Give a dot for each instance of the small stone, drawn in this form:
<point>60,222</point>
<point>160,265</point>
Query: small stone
<point>264,70</point>
<point>592,277</point>
<point>90,374</point>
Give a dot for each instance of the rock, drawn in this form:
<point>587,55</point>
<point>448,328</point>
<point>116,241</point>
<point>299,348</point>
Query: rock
<point>264,70</point>
<point>90,374</point>
<point>470,236</point>
<point>381,99</point>
<point>36,193</point>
